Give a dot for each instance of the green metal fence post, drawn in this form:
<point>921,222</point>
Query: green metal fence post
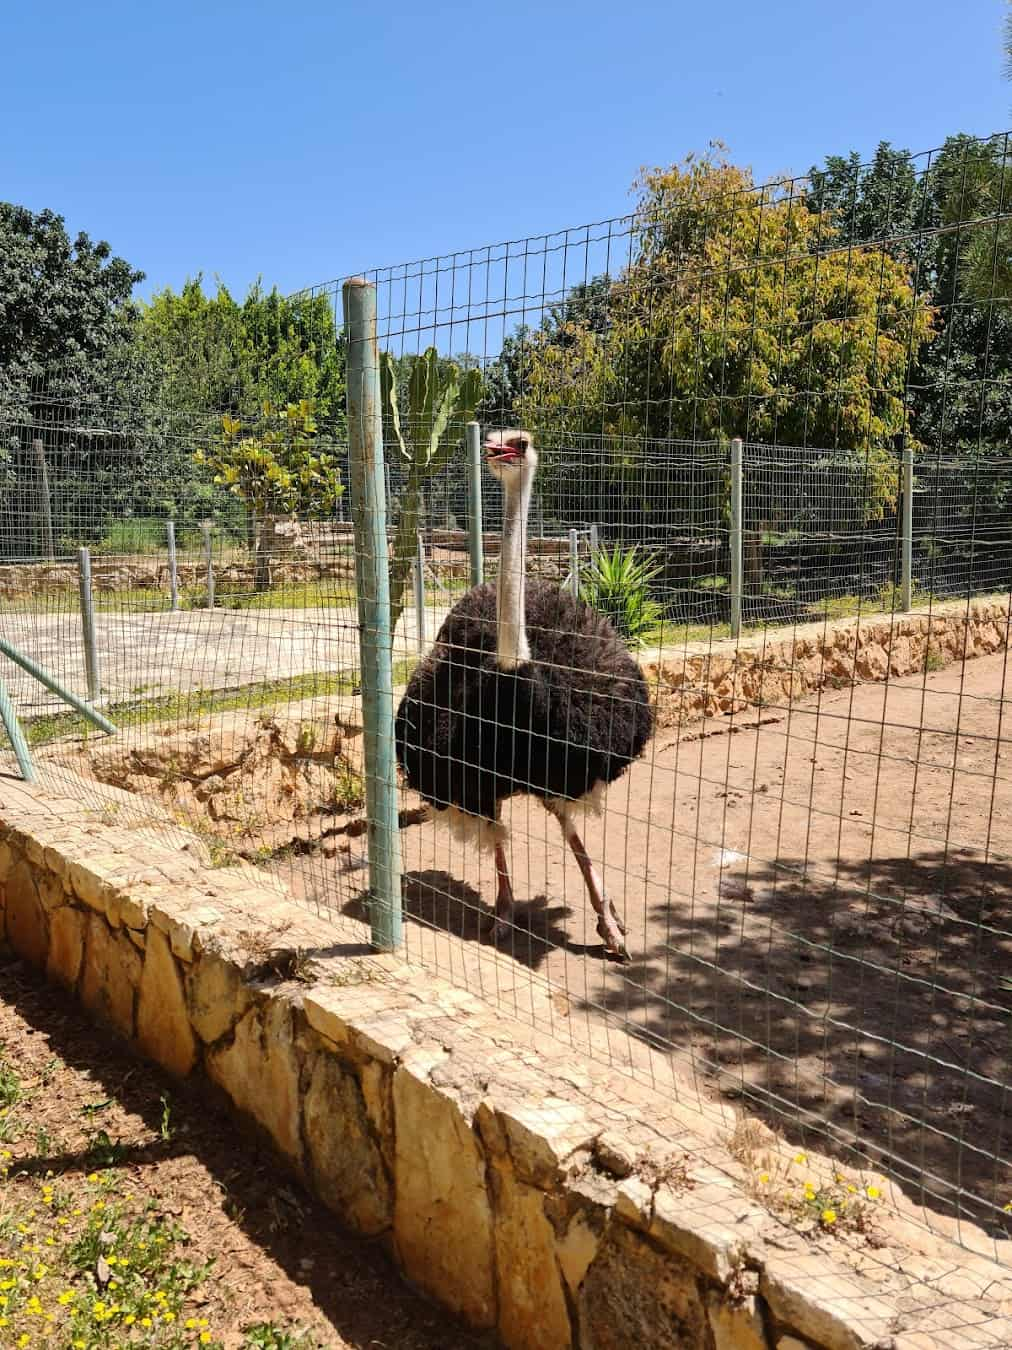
<point>51,683</point>
<point>372,578</point>
<point>472,436</point>
<point>907,525</point>
<point>736,536</point>
<point>16,736</point>
<point>91,670</point>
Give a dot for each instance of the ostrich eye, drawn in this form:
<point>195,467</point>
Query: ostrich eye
<point>520,443</point>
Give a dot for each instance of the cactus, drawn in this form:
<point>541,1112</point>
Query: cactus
<point>439,395</point>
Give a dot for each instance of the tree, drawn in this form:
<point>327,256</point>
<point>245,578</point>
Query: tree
<point>74,386</point>
<point>742,313</point>
<point>275,467</point>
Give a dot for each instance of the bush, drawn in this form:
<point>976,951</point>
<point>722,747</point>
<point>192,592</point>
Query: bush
<point>617,584</point>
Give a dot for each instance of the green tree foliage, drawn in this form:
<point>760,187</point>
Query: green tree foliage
<point>275,467</point>
<point>220,356</point>
<point>426,401</point>
<point>740,314</point>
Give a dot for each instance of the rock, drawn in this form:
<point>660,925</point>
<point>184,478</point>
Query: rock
<point>260,1073</point>
<point>216,997</point>
<point>532,1306</point>
<point>442,1217</point>
<point>871,662</point>
<point>735,1324</point>
<point>66,945</point>
<point>26,919</point>
<point>634,1294</point>
<point>347,1165</point>
<point>163,1026</point>
<point>832,1308</point>
<point>110,975</point>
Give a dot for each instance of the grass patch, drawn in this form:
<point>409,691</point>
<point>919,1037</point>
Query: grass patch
<point>196,703</point>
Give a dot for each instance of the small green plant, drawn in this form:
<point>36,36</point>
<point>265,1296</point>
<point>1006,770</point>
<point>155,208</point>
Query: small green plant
<point>617,584</point>
<point>268,1336</point>
<point>934,659</point>
<point>348,791</point>
<point>11,1091</point>
<point>103,1151</point>
<point>165,1128</point>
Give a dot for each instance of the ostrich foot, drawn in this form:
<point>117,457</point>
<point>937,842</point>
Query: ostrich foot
<point>500,924</point>
<point>610,927</point>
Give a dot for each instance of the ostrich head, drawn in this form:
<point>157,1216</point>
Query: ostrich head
<point>511,457</point>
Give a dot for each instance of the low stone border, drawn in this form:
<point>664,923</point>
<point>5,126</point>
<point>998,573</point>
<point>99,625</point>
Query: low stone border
<point>779,666</point>
<point>532,1193</point>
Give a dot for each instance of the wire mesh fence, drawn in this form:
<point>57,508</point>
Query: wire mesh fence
<point>807,853</point>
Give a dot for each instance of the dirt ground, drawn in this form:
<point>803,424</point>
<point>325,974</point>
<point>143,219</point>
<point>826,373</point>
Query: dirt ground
<point>277,1256</point>
<point>818,904</point>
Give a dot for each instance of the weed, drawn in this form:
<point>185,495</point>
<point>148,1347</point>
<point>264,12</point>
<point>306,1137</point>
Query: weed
<point>268,1336</point>
<point>934,659</point>
<point>11,1091</point>
<point>102,1151</point>
<point>165,1128</point>
<point>348,791</point>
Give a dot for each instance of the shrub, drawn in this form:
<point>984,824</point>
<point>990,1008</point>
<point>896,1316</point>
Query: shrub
<point>617,584</point>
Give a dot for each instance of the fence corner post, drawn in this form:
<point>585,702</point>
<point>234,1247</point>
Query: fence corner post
<point>372,579</point>
<point>475,525</point>
<point>736,536</point>
<point>907,523</point>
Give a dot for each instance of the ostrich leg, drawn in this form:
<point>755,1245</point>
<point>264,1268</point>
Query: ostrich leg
<point>609,925</point>
<point>502,921</point>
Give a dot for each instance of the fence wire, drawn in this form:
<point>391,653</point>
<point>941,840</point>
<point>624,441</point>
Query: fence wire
<point>809,854</point>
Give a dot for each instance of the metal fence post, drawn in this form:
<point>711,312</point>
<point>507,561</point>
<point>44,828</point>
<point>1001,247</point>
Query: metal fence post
<point>907,524</point>
<point>595,544</point>
<point>736,536</point>
<point>472,437</point>
<point>15,735</point>
<point>419,570</point>
<point>372,577</point>
<point>88,624</point>
<point>574,563</point>
<point>170,531</point>
<point>205,530</point>
<point>39,450</point>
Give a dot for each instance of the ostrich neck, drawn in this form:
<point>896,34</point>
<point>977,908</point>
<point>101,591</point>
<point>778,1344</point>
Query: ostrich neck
<point>511,641</point>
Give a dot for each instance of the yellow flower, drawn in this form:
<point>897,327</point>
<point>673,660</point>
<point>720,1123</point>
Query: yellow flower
<point>872,1192</point>
<point>98,1308</point>
<point>23,1341</point>
<point>168,1317</point>
<point>145,1321</point>
<point>205,1336</point>
<point>66,1297</point>
<point>829,1216</point>
<point>800,1159</point>
<point>763,1178</point>
<point>190,1323</point>
<point>3,1321</point>
<point>129,1320</point>
<point>160,1297</point>
<point>202,1322</point>
<point>40,1272</point>
<point>33,1306</point>
<point>1008,1208</point>
<point>93,1177</point>
<point>852,1190</point>
<point>7,1284</point>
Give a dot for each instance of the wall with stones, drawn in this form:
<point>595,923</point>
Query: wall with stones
<point>778,666</point>
<point>539,1196</point>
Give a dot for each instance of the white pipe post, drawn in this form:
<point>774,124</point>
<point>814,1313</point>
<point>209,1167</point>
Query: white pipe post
<point>736,536</point>
<point>574,563</point>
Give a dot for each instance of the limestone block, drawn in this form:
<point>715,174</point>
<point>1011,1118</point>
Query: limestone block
<point>89,884</point>
<point>260,1072</point>
<point>6,861</point>
<point>26,919</point>
<point>442,1216</point>
<point>66,945</point>
<point>532,1306</point>
<point>833,1309</point>
<point>871,662</point>
<point>110,975</point>
<point>163,1025</point>
<point>634,1294</point>
<point>347,1165</point>
<point>50,889</point>
<point>708,1225</point>
<point>735,1324</point>
<point>216,997</point>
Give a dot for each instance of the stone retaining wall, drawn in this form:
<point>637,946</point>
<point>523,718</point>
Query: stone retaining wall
<point>776,667</point>
<point>535,1194</point>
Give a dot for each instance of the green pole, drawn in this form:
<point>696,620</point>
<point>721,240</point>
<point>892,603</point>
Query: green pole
<point>472,435</point>
<point>372,581</point>
<point>907,522</point>
<point>16,736</point>
<point>736,536</point>
<point>54,687</point>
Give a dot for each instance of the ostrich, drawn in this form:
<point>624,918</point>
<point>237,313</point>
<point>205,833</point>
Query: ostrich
<point>526,690</point>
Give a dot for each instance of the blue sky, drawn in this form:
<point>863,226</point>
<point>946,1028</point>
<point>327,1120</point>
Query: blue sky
<point>302,141</point>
